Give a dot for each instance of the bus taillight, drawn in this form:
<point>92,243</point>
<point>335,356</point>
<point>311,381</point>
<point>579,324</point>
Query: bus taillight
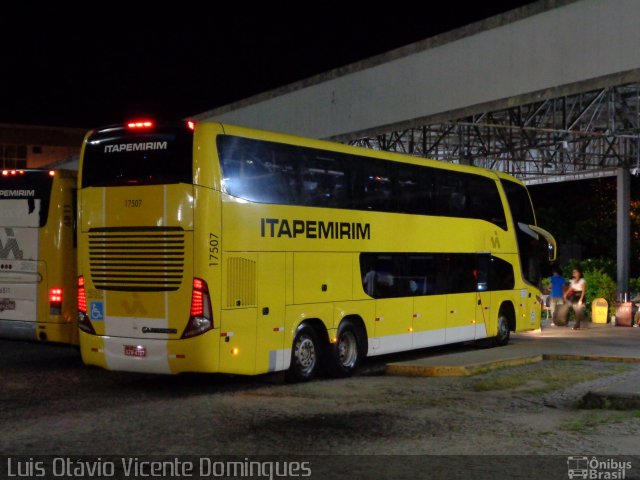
<point>82,299</point>
<point>84,323</point>
<point>200,318</point>
<point>55,301</point>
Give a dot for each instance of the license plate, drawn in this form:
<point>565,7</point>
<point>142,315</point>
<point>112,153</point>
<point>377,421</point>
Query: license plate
<point>7,305</point>
<point>135,351</point>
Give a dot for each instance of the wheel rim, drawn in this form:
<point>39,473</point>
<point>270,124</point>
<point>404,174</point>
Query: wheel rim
<point>347,349</point>
<point>305,354</point>
<point>503,328</point>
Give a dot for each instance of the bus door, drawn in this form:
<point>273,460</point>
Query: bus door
<point>427,283</point>
<point>429,320</point>
<point>393,325</point>
<point>270,353</point>
<point>483,303</point>
<point>529,314</point>
<point>385,278</point>
<point>239,313</point>
<point>462,297</point>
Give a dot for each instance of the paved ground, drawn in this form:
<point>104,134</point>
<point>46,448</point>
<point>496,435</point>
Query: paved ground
<point>369,426</point>
<point>597,342</point>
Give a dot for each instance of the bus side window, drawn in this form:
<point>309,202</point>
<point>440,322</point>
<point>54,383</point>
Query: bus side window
<point>462,273</point>
<point>451,194</point>
<point>501,275</point>
<point>484,201</point>
<point>323,181</point>
<point>378,187</point>
<point>409,192</point>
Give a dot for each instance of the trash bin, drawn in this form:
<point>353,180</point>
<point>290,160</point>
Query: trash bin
<point>599,311</point>
<point>624,311</point>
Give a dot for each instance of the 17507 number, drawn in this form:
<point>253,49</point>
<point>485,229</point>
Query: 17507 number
<point>214,250</point>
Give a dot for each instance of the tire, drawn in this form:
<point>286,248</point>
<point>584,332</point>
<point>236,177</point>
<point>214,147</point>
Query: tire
<point>345,354</point>
<point>502,338</point>
<point>305,355</point>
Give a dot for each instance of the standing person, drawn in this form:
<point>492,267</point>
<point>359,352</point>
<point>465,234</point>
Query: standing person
<point>576,295</point>
<point>557,285</point>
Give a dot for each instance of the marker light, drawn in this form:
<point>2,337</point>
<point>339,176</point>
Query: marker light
<point>52,172</point>
<point>191,125</point>
<point>140,124</point>
<point>55,301</point>
<point>13,173</point>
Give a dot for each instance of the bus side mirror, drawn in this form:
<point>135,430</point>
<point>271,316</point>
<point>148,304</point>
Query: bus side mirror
<point>550,240</point>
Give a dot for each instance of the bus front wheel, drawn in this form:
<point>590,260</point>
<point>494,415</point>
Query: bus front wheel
<point>504,331</point>
<point>305,355</point>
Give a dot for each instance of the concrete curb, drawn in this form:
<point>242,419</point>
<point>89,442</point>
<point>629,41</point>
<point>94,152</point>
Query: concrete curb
<point>413,369</point>
<point>592,358</point>
<point>602,400</point>
<point>407,369</point>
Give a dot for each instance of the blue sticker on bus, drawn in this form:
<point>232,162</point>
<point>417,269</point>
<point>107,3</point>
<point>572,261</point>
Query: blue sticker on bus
<point>96,311</point>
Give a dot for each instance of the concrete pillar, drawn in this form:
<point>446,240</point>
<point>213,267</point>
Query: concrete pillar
<point>623,229</point>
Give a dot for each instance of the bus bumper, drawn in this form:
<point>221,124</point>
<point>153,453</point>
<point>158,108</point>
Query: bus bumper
<point>197,354</point>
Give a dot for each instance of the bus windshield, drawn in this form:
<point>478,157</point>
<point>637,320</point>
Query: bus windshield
<point>530,248</point>
<point>152,156</point>
<point>25,198</point>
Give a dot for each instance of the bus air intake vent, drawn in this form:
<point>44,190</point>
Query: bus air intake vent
<point>241,282</point>
<point>137,259</point>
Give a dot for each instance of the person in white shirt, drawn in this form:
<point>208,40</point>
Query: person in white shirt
<point>576,295</point>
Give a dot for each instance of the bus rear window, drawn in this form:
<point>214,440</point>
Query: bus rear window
<point>24,198</point>
<point>118,156</point>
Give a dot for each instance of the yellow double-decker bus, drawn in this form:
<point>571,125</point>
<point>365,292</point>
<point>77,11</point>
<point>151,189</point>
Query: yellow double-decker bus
<point>215,248</point>
<point>38,255</point>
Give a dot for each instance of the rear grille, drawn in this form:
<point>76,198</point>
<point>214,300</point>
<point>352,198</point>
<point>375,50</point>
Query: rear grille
<point>136,259</point>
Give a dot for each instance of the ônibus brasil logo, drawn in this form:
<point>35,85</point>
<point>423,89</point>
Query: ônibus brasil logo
<point>595,468</point>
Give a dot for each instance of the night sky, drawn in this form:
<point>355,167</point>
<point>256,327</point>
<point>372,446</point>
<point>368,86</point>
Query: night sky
<point>106,63</point>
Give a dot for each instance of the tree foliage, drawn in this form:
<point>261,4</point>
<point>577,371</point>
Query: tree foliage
<point>584,213</point>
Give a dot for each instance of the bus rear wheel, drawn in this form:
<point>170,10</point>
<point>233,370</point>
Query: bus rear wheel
<point>345,353</point>
<point>305,355</point>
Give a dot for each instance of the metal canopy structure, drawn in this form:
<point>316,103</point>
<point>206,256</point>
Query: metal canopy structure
<point>547,92</point>
<point>568,137</point>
